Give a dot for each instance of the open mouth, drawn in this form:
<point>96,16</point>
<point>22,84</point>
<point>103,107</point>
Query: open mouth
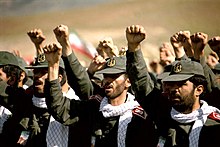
<point>37,83</point>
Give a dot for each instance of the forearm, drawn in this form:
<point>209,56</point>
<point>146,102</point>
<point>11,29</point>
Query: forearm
<point>39,49</point>
<point>179,52</point>
<point>67,50</point>
<point>140,79</point>
<point>58,105</point>
<point>133,47</point>
<point>53,71</point>
<point>78,77</point>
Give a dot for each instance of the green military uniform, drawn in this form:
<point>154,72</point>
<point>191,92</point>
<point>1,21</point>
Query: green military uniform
<point>141,130</point>
<point>179,134</point>
<point>174,133</point>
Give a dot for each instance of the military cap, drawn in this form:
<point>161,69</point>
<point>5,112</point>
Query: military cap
<point>183,70</point>
<point>41,62</point>
<point>114,65</point>
<point>7,58</point>
<point>22,64</point>
<point>217,67</point>
<point>165,73</point>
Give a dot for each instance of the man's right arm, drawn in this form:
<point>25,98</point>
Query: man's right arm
<point>141,82</point>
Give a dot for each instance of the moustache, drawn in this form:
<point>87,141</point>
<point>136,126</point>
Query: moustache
<point>37,82</point>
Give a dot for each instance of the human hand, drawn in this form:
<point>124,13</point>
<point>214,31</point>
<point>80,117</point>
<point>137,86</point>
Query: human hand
<point>186,42</point>
<point>135,34</point>
<point>62,35</point>
<point>166,54</point>
<point>177,41</point>
<point>155,66</point>
<point>97,63</point>
<point>212,59</point>
<point>214,44</point>
<point>107,49</point>
<point>37,37</point>
<point>17,53</point>
<point>53,53</point>
<point>199,41</point>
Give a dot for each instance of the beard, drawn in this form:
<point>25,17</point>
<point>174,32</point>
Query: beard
<point>182,104</point>
<point>114,92</point>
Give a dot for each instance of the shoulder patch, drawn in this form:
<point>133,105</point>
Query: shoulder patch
<point>96,97</point>
<point>214,116</point>
<point>139,111</point>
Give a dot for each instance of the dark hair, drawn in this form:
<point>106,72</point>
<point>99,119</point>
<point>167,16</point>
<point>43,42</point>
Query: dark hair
<point>63,73</point>
<point>199,80</point>
<point>14,71</point>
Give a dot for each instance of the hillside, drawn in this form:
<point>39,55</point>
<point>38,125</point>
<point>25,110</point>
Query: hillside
<point>160,18</point>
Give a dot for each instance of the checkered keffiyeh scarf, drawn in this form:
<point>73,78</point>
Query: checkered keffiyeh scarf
<point>57,134</point>
<point>199,116</point>
<point>4,115</point>
<point>124,111</point>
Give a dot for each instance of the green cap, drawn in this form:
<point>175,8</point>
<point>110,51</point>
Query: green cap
<point>41,62</point>
<point>183,70</point>
<point>22,64</point>
<point>165,73</point>
<point>7,58</point>
<point>217,67</point>
<point>114,65</point>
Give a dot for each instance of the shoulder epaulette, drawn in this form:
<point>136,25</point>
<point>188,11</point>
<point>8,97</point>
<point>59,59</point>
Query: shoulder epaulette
<point>214,116</point>
<point>96,97</point>
<point>139,111</point>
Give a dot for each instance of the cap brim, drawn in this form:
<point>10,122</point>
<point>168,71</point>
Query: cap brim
<point>176,77</point>
<point>163,75</point>
<point>38,66</point>
<point>111,71</point>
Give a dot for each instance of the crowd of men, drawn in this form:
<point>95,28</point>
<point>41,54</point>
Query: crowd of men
<point>118,100</point>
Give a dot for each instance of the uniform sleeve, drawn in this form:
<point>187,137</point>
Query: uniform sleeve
<point>141,81</point>
<point>64,110</point>
<point>78,77</point>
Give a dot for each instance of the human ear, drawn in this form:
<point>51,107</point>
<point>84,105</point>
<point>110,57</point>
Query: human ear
<point>128,83</point>
<point>199,90</point>
<point>22,76</point>
<point>60,78</point>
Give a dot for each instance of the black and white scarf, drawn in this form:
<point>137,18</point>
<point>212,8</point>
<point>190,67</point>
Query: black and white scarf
<point>199,116</point>
<point>124,111</point>
<point>4,115</point>
<point>57,134</point>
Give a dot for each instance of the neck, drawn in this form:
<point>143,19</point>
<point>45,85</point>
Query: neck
<point>119,100</point>
<point>20,84</point>
<point>196,106</point>
<point>65,87</point>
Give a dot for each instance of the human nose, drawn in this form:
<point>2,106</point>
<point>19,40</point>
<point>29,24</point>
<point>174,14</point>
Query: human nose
<point>106,81</point>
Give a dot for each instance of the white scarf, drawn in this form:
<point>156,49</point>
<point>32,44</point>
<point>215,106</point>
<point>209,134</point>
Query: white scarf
<point>124,111</point>
<point>57,134</point>
<point>39,102</point>
<point>199,116</point>
<point>4,115</point>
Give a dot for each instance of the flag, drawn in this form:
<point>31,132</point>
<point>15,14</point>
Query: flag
<point>78,44</point>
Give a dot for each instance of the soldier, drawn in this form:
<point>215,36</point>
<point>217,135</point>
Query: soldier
<point>12,97</point>
<point>115,120</point>
<point>193,122</point>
